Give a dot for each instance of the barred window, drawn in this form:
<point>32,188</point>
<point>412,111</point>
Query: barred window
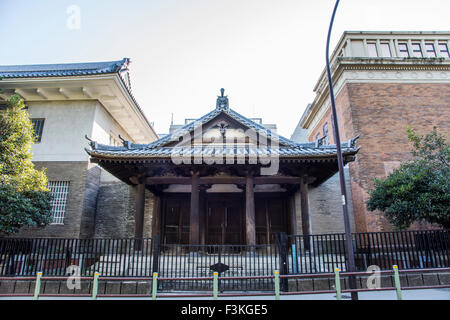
<point>38,126</point>
<point>60,192</point>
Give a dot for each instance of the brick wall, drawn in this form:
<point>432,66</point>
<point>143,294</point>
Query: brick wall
<point>75,172</point>
<point>116,208</point>
<point>381,112</point>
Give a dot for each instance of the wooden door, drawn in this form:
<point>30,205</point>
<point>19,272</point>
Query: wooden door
<point>224,221</point>
<point>175,218</point>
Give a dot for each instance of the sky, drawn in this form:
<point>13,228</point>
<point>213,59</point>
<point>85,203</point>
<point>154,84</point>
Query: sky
<point>267,54</point>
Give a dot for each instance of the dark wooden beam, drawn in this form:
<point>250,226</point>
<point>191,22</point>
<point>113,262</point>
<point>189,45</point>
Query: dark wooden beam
<point>194,221</point>
<point>223,180</point>
<point>250,225</point>
<point>156,218</point>
<point>139,213</point>
<point>304,204</point>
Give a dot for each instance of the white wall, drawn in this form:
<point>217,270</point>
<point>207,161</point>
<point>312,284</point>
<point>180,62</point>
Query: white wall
<point>66,124</point>
<point>104,125</point>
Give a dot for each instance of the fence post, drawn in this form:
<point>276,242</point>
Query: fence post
<point>294,258</point>
<point>276,274</point>
<point>337,284</point>
<point>37,287</point>
<point>283,260</point>
<point>95,286</point>
<point>215,285</point>
<point>154,285</point>
<point>397,283</point>
<point>156,250</point>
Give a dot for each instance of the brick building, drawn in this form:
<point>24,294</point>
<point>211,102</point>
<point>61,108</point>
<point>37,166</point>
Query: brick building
<point>383,82</point>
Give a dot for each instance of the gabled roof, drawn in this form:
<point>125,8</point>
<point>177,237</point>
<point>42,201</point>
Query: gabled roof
<point>60,70</point>
<point>162,148</point>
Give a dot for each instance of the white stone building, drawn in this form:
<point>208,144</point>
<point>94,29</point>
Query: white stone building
<point>67,102</point>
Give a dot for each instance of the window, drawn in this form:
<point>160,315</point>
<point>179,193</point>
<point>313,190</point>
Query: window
<point>416,50</point>
<point>403,50</point>
<point>318,136</point>
<point>38,126</point>
<point>385,50</point>
<point>325,133</point>
<point>60,192</point>
<point>443,49</point>
<point>372,48</point>
<point>429,47</point>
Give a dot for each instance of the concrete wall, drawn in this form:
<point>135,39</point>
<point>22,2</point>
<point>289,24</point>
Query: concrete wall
<point>325,205</point>
<point>104,126</point>
<point>66,123</point>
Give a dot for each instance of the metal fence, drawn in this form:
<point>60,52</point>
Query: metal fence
<point>118,257</point>
<point>407,249</point>
<point>294,254</point>
<point>229,260</point>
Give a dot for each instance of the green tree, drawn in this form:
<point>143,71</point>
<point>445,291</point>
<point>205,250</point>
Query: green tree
<point>24,196</point>
<point>419,190</point>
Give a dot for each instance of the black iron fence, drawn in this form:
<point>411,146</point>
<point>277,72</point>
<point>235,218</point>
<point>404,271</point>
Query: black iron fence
<point>407,249</point>
<point>118,257</point>
<point>294,254</point>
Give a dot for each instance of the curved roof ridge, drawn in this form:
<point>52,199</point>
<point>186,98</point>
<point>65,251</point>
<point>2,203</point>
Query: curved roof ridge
<point>61,69</point>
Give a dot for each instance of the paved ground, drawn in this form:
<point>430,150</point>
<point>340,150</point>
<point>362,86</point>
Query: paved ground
<point>424,294</point>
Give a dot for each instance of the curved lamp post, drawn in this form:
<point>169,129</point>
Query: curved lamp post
<point>348,234</point>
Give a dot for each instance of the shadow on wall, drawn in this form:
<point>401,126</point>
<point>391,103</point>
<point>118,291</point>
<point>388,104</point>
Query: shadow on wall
<point>326,207</point>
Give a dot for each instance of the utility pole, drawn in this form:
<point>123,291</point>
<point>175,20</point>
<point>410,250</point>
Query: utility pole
<point>348,233</point>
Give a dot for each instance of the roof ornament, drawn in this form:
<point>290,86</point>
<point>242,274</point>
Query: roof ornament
<point>352,142</point>
<point>222,101</point>
<point>125,143</point>
<point>92,143</point>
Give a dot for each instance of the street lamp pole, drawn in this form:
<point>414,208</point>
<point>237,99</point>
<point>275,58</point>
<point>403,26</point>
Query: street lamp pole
<point>348,234</point>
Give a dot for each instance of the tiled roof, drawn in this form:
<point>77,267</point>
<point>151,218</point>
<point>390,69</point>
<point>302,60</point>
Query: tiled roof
<point>160,148</point>
<point>212,151</point>
<point>60,70</point>
<point>211,115</point>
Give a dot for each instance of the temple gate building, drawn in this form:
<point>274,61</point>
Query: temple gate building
<point>221,179</point>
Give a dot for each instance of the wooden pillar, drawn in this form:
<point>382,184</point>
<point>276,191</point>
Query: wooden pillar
<point>139,214</point>
<point>250,211</point>
<point>203,214</point>
<point>156,218</point>
<point>194,218</point>
<point>293,215</point>
<point>304,204</point>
